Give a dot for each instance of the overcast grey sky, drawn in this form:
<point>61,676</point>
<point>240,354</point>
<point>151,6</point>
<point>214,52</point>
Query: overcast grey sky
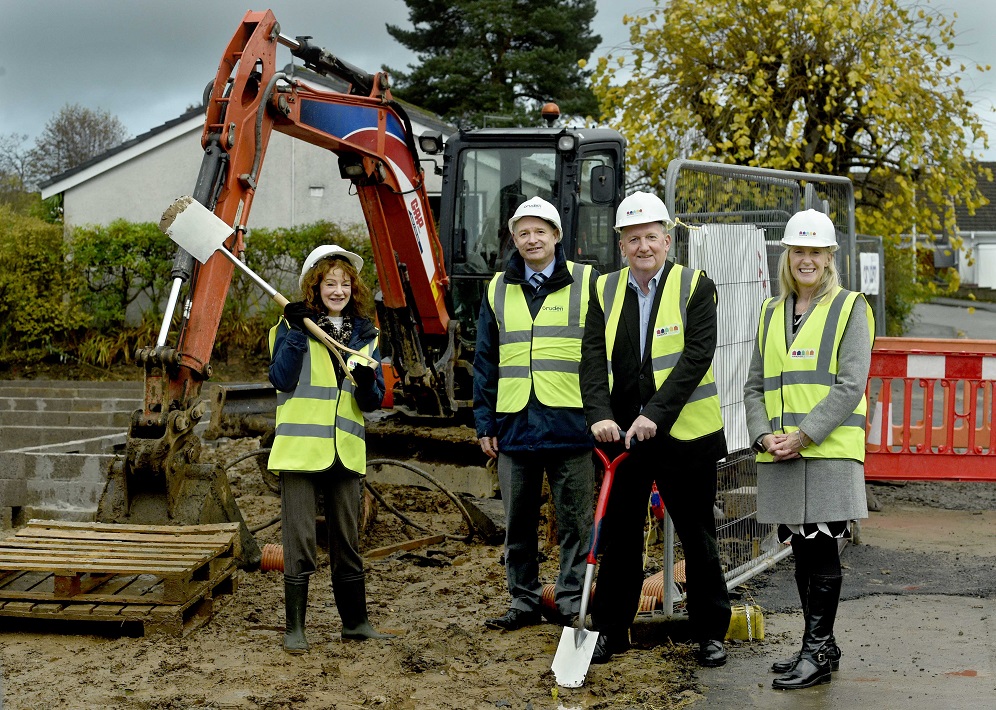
<point>145,61</point>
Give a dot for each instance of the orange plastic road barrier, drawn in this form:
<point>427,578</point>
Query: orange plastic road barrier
<point>913,444</point>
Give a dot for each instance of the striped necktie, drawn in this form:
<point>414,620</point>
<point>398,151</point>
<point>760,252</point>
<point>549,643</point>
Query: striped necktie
<point>537,280</point>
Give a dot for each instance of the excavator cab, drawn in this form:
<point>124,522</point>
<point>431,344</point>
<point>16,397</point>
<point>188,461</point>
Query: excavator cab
<point>488,173</point>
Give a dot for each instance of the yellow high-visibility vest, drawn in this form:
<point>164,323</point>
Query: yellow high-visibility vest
<point>701,414</point>
<point>541,354</point>
<point>798,378</point>
<point>317,421</point>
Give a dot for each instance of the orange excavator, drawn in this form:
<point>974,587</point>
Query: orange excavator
<point>430,287</point>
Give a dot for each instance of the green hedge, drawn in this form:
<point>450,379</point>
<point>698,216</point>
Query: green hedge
<point>99,293</point>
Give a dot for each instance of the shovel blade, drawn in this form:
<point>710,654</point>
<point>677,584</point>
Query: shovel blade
<point>195,228</point>
<point>570,664</point>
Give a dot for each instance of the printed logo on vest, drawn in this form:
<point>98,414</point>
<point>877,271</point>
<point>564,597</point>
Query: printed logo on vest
<point>803,354</point>
<point>672,329</point>
<point>552,308</point>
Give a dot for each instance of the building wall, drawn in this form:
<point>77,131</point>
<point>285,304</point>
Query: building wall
<point>298,184</point>
<point>977,266</point>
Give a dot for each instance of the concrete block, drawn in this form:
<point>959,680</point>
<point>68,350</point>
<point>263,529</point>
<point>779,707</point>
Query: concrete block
<point>6,523</point>
<point>13,491</point>
<point>13,437</point>
<point>77,420</point>
<point>12,465</point>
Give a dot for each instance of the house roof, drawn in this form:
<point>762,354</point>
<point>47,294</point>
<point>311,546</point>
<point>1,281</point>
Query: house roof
<point>984,219</point>
<point>194,120</point>
<point>128,150</point>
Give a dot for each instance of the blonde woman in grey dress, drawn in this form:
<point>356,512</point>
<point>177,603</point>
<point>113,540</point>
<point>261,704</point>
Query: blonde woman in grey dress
<point>805,405</point>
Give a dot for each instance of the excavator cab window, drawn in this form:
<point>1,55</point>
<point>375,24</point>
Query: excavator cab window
<point>596,242</point>
<point>493,182</point>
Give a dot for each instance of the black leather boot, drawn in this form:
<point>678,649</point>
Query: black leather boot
<point>814,665</point>
<point>351,600</point>
<point>295,606</point>
<point>833,651</point>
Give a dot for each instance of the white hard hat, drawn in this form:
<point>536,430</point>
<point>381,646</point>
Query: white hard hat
<point>810,228</point>
<point>324,250</point>
<point>536,207</point>
<point>640,208</point>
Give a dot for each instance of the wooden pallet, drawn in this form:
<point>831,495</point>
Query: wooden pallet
<point>161,578</point>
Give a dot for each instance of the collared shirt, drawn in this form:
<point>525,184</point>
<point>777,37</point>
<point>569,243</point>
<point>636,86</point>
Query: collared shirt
<point>547,272</point>
<point>646,302</point>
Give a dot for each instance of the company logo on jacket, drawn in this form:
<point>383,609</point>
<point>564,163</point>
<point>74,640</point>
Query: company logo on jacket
<point>672,329</point>
<point>803,354</point>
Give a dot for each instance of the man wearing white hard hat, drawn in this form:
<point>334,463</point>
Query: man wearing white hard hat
<point>646,369</point>
<point>319,445</point>
<point>805,403</point>
<point>527,407</point>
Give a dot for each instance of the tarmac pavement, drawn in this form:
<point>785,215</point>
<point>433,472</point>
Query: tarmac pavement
<point>916,624</point>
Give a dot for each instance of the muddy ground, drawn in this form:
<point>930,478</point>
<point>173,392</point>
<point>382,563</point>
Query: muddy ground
<point>435,599</point>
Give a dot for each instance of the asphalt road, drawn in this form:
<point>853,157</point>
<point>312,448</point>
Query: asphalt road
<point>917,620</point>
<point>950,318</point>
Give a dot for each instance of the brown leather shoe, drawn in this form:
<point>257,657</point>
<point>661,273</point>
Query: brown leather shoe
<point>514,619</point>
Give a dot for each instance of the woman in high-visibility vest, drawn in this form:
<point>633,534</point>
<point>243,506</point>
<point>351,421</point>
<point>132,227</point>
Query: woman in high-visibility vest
<point>320,444</point>
<point>805,402</point>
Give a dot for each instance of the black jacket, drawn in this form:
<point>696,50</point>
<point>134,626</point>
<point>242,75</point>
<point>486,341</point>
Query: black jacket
<point>634,379</point>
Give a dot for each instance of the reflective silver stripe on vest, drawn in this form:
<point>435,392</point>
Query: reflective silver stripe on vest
<point>574,305</point>
<point>513,371</point>
<point>800,377</point>
<point>703,392</point>
<point>796,418</point>
<point>555,366</point>
<point>611,284</point>
<point>555,331</point>
<point>609,294</point>
<point>518,336</point>
<point>306,391</point>
<point>500,311</point>
<point>768,312</point>
<point>351,427</point>
<point>321,431</point>
<point>827,340</point>
<point>666,361</point>
<point>686,288</point>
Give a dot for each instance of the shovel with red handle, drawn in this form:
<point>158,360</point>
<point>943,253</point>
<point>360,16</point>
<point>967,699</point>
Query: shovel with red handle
<point>570,664</point>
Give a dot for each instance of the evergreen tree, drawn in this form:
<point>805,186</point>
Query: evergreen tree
<point>497,57</point>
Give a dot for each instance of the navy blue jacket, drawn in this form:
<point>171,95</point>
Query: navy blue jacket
<point>289,347</point>
<point>536,426</point>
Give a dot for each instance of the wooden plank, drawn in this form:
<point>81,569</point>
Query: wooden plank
<point>71,586</point>
<point>69,567</point>
<point>206,528</point>
<point>406,545</point>
<point>178,538</point>
<point>18,544</point>
<point>7,557</point>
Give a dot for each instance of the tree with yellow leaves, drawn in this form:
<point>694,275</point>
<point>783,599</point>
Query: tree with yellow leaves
<point>863,88</point>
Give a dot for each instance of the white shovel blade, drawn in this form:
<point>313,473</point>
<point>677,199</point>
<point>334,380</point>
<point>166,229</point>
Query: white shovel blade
<point>195,228</point>
<point>570,665</point>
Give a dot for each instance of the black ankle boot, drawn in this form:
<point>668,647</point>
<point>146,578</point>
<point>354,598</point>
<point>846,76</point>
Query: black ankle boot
<point>814,664</point>
<point>351,600</point>
<point>295,606</point>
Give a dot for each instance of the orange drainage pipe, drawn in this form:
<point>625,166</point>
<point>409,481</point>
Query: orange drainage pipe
<point>651,595</point>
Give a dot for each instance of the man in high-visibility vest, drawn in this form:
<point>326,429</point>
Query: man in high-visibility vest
<point>527,406</point>
<point>646,370</point>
